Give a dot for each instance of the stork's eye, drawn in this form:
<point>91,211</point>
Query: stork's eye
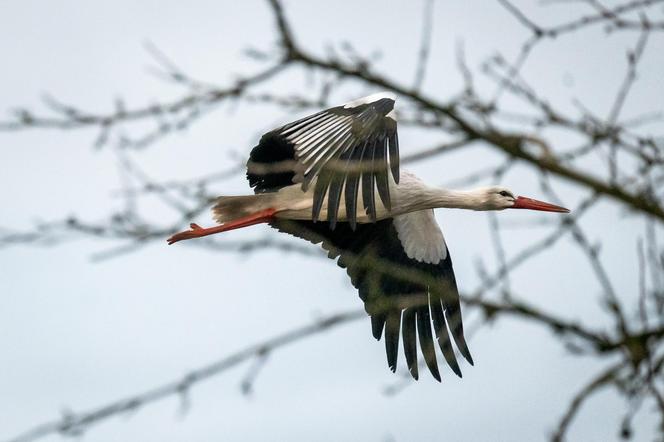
<point>504,193</point>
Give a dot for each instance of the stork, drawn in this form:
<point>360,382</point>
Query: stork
<point>334,178</point>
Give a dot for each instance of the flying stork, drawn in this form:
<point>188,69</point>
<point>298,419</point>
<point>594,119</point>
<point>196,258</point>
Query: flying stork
<point>334,178</point>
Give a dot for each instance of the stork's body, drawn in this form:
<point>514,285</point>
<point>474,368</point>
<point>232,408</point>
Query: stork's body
<point>334,178</point>
<point>410,195</point>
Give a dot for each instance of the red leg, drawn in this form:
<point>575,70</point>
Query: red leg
<point>197,231</point>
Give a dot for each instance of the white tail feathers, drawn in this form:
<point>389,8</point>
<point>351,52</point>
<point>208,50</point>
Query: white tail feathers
<point>229,208</point>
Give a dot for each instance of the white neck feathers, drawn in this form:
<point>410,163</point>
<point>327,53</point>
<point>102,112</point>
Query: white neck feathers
<point>457,199</point>
<point>413,194</point>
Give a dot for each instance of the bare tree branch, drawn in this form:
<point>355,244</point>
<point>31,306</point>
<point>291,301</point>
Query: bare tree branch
<point>77,423</point>
<point>631,329</point>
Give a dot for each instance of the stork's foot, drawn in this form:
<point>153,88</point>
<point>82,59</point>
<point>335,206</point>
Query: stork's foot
<point>195,231</point>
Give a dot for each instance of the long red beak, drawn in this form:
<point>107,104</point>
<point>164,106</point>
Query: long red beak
<point>522,202</point>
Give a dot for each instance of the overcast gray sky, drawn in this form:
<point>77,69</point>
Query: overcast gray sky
<point>75,334</point>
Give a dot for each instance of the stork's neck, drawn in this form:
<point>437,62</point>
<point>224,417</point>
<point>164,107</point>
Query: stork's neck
<point>427,197</point>
<point>413,194</point>
<point>434,197</point>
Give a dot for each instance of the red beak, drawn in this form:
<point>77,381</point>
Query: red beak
<point>522,202</point>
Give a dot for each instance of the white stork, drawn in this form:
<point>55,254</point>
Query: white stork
<point>385,234</point>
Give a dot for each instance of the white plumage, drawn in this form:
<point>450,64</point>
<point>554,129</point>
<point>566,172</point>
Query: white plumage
<point>421,236</point>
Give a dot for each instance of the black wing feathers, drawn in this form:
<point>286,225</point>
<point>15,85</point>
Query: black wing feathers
<point>353,184</point>
<point>443,336</point>
<point>394,147</point>
<point>340,148</point>
<point>396,305</point>
<point>368,178</point>
<point>271,164</point>
<point>381,172</point>
<point>409,340</point>
<point>392,326</point>
<point>426,341</point>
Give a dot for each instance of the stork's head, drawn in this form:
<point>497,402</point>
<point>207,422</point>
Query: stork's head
<point>499,198</point>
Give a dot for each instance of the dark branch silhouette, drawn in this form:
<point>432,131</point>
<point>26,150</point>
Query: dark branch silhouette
<point>630,342</point>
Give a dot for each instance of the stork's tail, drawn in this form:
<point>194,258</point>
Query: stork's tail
<point>229,208</point>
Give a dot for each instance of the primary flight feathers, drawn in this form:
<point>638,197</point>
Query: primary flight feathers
<point>341,148</point>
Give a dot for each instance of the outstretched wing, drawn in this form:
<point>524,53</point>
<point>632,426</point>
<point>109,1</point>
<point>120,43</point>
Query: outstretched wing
<point>403,272</point>
<point>341,148</point>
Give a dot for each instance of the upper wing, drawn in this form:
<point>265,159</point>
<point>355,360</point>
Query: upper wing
<point>341,147</point>
<point>403,292</point>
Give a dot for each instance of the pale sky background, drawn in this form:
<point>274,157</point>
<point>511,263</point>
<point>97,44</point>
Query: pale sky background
<point>76,334</point>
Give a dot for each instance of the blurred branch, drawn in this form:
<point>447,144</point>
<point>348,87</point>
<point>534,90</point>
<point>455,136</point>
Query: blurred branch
<point>514,144</point>
<point>632,331</point>
<point>71,117</point>
<point>75,424</point>
<point>598,382</point>
<point>425,45</point>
